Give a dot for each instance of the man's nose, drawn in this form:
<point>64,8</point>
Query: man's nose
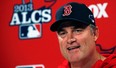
<point>71,38</point>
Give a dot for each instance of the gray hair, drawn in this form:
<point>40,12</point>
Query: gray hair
<point>93,28</point>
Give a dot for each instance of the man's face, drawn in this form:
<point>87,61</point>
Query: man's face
<point>76,43</point>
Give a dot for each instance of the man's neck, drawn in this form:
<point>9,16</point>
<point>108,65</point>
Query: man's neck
<point>87,62</point>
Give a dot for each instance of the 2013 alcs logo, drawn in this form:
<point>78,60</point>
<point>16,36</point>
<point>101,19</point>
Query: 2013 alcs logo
<point>29,19</point>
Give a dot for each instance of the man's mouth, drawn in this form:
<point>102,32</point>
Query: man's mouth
<point>73,47</point>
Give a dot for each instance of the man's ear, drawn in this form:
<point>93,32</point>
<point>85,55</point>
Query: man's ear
<point>96,33</point>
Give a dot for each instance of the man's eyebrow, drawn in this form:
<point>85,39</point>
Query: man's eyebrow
<point>78,28</point>
<point>59,30</point>
<point>82,27</point>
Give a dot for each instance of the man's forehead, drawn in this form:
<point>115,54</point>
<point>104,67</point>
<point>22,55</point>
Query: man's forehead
<point>72,24</point>
<point>71,27</point>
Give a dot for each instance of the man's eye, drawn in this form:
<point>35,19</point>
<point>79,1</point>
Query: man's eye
<point>62,34</point>
<point>78,31</point>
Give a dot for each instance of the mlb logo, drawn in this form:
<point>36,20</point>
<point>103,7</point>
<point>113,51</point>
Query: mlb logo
<point>30,31</point>
<point>31,66</point>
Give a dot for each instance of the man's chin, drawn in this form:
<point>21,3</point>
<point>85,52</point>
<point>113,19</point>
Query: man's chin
<point>73,60</point>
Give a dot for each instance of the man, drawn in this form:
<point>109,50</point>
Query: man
<point>77,34</point>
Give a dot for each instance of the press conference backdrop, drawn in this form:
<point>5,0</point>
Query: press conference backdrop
<point>25,37</point>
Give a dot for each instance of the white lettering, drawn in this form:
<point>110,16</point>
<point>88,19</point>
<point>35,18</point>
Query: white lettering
<point>102,10</point>
<point>34,15</point>
<point>24,17</point>
<point>94,9</point>
<point>99,10</point>
<point>15,19</point>
<point>46,15</point>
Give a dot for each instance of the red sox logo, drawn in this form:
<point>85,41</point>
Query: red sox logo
<point>67,10</point>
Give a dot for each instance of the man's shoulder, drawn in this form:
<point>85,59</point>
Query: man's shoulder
<point>109,62</point>
<point>109,55</point>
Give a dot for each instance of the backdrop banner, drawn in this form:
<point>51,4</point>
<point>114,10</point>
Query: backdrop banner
<point>25,37</point>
